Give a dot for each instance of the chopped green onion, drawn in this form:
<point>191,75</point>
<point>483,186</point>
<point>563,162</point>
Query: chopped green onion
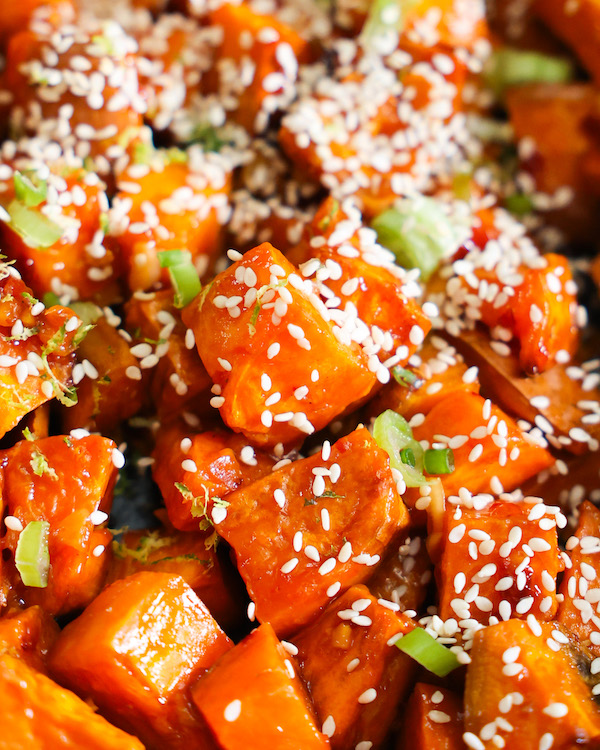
<point>88,312</point>
<point>50,299</point>
<point>508,67</point>
<point>403,376</point>
<point>36,229</point>
<point>382,27</point>
<point>518,204</point>
<point>439,461</point>
<point>170,258</point>
<point>418,232</point>
<point>393,433</point>
<point>29,193</point>
<point>427,652</point>
<point>407,456</point>
<point>31,557</point>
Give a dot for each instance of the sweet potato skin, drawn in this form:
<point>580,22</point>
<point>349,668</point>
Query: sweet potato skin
<point>331,644</point>
<point>289,595</point>
<point>38,713</point>
<point>259,675</point>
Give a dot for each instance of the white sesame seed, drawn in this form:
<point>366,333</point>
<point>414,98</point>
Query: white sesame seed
<point>233,710</point>
<point>289,565</point>
<point>368,696</point>
<point>556,710</point>
<point>13,523</point>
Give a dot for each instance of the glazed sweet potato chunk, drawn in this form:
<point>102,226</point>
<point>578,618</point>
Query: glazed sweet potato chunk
<point>36,712</point>
<point>185,554</point>
<point>490,452</point>
<point>349,645</point>
<point>36,351</point>
<point>134,651</point>
<point>253,694</point>
<point>501,561</point>
<point>28,634</point>
<point>530,676</point>
<point>579,609</point>
<point>433,720</point>
<point>304,533</point>
<point>67,483</point>
<point>279,362</point>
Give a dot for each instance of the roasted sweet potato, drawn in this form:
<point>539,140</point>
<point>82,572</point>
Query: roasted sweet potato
<point>28,634</point>
<point>501,561</point>
<point>483,439</point>
<point>134,651</point>
<point>282,368</point>
<point>186,554</point>
<point>253,695</point>
<point>579,609</point>
<point>299,539</point>
<point>349,645</point>
<point>433,720</point>
<point>530,676</point>
<point>36,712</point>
<point>68,483</point>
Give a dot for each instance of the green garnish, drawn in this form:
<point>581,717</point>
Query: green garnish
<point>439,461</point>
<point>393,433</point>
<point>31,192</point>
<point>404,377</point>
<point>427,652</point>
<point>183,274</point>
<point>35,229</point>
<point>39,464</point>
<point>418,232</point>
<point>31,557</point>
<point>407,457</point>
<point>518,204</point>
<point>509,67</point>
<point>50,299</point>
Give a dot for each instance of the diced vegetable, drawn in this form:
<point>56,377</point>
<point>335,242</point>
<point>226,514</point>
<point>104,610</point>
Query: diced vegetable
<point>31,556</point>
<point>426,651</point>
<point>29,191</point>
<point>508,66</point>
<point>36,229</point>
<point>438,461</point>
<point>393,433</point>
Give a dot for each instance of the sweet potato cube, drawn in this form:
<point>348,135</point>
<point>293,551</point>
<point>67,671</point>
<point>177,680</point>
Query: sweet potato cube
<point>491,453</point>
<point>433,720</point>
<point>28,634</point>
<point>501,561</point>
<point>25,381</point>
<point>268,344</point>
<point>188,555</point>
<point>134,651</point>
<point>253,692</point>
<point>103,402</point>
<point>299,539</point>
<point>62,480</point>
<point>534,677</point>
<point>38,713</point>
<point>579,611</point>
<point>349,645</point>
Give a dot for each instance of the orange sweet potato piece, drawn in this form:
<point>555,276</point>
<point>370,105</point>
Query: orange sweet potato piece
<point>349,645</point>
<point>371,281</point>
<point>179,380</point>
<point>501,561</point>
<point>485,439</point>
<point>404,574</point>
<point>25,336</point>
<point>188,196</point>
<point>274,52</point>
<point>551,394</point>
<point>433,720</point>
<point>579,609</point>
<point>16,18</point>
<point>440,373</point>
<point>78,264</point>
<point>253,692</point>
<point>38,713</point>
<point>113,396</point>
<point>298,544</point>
<point>28,634</point>
<point>135,650</point>
<point>533,677</point>
<point>62,480</point>
<point>185,554</point>
<point>268,344</point>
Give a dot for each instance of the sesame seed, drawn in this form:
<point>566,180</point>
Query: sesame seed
<point>368,696</point>
<point>13,523</point>
<point>233,710</point>
<point>289,565</point>
<point>556,710</point>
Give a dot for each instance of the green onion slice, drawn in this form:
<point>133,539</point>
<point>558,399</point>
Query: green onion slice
<point>31,557</point>
<point>404,377</point>
<point>29,192</point>
<point>50,299</point>
<point>393,433</point>
<point>439,461</point>
<point>427,652</point>
<point>418,232</point>
<point>382,27</point>
<point>508,67</point>
<point>519,204</point>
<point>407,456</point>
<point>183,274</point>
<point>36,229</point>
